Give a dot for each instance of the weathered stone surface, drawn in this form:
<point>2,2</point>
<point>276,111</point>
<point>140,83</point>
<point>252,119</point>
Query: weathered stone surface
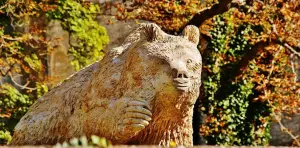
<point>117,30</point>
<point>281,138</point>
<point>142,92</point>
<point>296,66</point>
<point>58,59</point>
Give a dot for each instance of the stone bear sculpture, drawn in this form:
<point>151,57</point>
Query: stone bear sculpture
<point>142,92</point>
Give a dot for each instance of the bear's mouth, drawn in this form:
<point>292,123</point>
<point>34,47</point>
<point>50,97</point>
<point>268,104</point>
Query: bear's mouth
<point>182,84</point>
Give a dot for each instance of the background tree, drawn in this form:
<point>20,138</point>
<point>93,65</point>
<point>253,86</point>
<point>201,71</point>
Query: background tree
<point>24,50</point>
<point>248,48</point>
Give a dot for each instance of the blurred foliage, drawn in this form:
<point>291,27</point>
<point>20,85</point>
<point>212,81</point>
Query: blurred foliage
<point>24,50</point>
<point>231,120</point>
<point>248,69</point>
<point>170,15</point>
<point>249,80</point>
<point>93,141</point>
<point>78,18</point>
<point>241,93</point>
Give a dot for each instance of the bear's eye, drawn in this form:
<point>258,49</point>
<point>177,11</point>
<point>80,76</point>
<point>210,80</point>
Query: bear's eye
<point>189,61</point>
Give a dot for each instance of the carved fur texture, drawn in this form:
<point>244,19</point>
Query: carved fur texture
<point>142,92</point>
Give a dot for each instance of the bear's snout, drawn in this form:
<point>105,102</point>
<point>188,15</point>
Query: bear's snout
<point>180,75</point>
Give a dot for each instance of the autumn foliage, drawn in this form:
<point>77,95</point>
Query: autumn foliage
<point>250,51</point>
<point>24,51</point>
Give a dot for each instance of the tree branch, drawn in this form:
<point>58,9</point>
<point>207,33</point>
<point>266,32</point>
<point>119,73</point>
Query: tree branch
<point>250,55</point>
<point>22,86</point>
<point>283,42</point>
<point>293,67</point>
<point>249,2</point>
<point>277,117</point>
<point>291,49</point>
<point>284,129</point>
<point>216,9</point>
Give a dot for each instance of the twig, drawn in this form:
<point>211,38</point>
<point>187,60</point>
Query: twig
<point>286,130</point>
<point>284,43</point>
<point>11,39</point>
<point>216,9</point>
<point>204,9</point>
<point>260,2</point>
<point>5,5</point>
<point>293,67</point>
<point>273,62</point>
<point>277,118</point>
<point>291,49</point>
<point>1,44</point>
<point>22,86</point>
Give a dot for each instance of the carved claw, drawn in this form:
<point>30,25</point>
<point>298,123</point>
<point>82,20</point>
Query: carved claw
<point>139,103</point>
<point>137,116</point>
<point>134,127</point>
<point>135,121</point>
<point>138,109</point>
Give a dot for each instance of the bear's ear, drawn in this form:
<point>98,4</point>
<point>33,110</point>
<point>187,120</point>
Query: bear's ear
<point>152,32</point>
<point>191,33</point>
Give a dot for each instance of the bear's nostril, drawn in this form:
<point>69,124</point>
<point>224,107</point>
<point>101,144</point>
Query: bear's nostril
<point>185,76</point>
<point>182,75</point>
<point>179,76</point>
